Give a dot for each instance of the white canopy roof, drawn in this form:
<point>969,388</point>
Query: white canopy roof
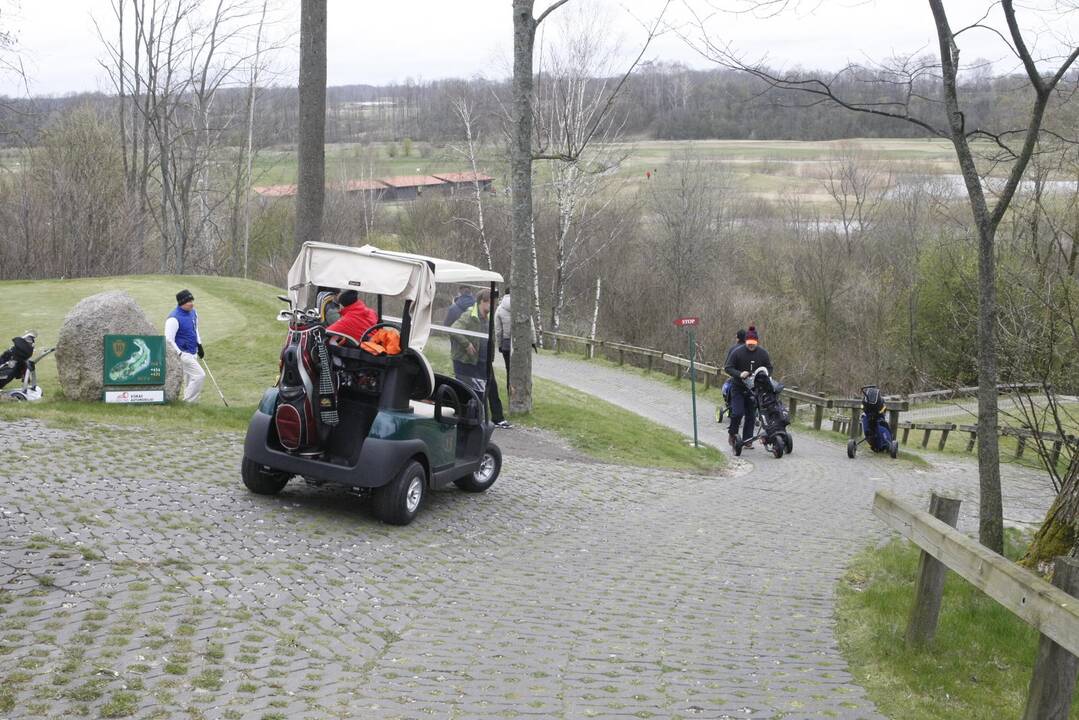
<point>365,269</point>
<point>449,271</point>
<point>380,272</point>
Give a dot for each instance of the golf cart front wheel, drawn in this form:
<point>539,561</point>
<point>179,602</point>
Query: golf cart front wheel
<point>486,473</point>
<point>852,448</point>
<point>398,502</point>
<point>893,449</point>
<point>260,479</point>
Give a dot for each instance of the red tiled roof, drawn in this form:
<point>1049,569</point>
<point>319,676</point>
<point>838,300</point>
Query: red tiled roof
<point>412,181</point>
<point>273,191</point>
<point>355,185</point>
<point>464,177</point>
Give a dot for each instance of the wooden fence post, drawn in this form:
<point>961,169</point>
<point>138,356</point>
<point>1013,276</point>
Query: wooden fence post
<point>1054,456</point>
<point>650,358</point>
<point>855,425</point>
<point>1020,445</point>
<point>906,434</point>
<point>943,440</point>
<point>621,357</point>
<point>1053,681</point>
<point>893,421</point>
<point>818,416</point>
<point>925,438</point>
<point>931,573</point>
<point>792,407</point>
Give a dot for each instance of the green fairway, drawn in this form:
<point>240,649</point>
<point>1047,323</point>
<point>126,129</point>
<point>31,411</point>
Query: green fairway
<point>242,337</point>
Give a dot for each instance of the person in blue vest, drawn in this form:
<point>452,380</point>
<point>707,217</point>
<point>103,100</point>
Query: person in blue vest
<point>182,338</point>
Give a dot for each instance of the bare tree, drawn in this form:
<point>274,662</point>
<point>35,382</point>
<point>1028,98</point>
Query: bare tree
<point>465,109</point>
<point>909,85</point>
<point>311,179</point>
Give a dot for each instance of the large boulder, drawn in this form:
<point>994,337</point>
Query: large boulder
<point>80,349</point>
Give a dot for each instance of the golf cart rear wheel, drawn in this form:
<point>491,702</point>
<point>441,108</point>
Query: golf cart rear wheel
<point>260,479</point>
<point>399,502</point>
<point>852,447</point>
<point>486,474</point>
<point>788,441</point>
<point>893,449</point>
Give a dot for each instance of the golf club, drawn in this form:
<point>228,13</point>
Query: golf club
<point>215,383</point>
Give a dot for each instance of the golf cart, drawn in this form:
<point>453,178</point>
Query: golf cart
<point>378,424</point>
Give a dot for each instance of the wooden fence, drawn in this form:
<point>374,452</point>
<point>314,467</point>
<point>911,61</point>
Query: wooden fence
<point>1053,610</point>
<point>845,419</point>
<point>678,366</point>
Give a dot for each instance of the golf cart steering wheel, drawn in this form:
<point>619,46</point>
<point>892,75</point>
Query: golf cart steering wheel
<point>377,326</point>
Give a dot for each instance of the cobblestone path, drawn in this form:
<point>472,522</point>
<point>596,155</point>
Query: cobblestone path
<point>141,579</point>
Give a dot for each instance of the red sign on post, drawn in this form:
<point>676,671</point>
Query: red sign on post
<point>687,321</point>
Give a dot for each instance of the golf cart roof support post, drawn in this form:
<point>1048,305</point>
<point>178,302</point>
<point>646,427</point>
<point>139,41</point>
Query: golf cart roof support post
<point>491,344</point>
<point>406,320</point>
<point>379,296</point>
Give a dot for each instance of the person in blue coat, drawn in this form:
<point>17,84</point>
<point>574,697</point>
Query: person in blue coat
<point>182,338</point>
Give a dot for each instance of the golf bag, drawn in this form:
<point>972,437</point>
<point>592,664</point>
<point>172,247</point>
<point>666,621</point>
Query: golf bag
<point>14,362</point>
<point>774,418</point>
<point>306,390</point>
<point>874,427</point>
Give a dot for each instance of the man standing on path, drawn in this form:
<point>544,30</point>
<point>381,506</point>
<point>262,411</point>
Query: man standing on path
<point>182,338</point>
<point>741,362</point>
<point>470,356</point>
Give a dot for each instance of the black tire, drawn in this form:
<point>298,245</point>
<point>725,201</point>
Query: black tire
<point>398,502</point>
<point>893,450</point>
<point>490,467</point>
<point>788,441</point>
<point>777,447</point>
<point>260,479</point>
<point>852,448</point>
<point>738,448</point>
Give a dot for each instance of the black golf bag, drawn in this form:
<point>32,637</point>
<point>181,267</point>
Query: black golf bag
<point>307,391</point>
<point>774,418</point>
<point>14,361</point>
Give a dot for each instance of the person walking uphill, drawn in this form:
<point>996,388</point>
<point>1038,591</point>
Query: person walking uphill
<point>741,362</point>
<point>470,355</point>
<point>182,338</point>
<point>504,327</point>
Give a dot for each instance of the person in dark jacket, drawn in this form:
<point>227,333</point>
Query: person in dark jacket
<point>740,336</point>
<point>356,317</point>
<point>462,302</point>
<point>741,362</point>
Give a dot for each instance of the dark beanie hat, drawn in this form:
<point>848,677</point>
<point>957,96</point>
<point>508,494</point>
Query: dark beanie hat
<point>184,296</point>
<point>751,334</point>
<point>741,335</point>
<point>347,298</point>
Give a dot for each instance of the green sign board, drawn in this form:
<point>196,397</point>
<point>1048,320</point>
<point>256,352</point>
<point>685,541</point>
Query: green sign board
<point>134,360</point>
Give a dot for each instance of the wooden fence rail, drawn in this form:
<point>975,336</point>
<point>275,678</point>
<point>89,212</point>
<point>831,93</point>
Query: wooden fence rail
<point>1051,610</point>
<point>1022,435</point>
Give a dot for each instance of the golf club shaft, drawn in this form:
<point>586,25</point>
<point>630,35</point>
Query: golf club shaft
<point>214,381</point>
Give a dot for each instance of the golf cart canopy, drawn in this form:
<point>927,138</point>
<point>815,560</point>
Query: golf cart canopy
<point>367,269</point>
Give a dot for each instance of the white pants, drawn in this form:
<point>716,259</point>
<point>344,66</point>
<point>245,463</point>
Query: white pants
<point>193,374</point>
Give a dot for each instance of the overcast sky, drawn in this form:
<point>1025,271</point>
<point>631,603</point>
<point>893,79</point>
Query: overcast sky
<point>375,42</point>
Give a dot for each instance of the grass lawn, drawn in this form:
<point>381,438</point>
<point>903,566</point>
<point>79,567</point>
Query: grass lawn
<point>977,668</point>
<point>243,339</point>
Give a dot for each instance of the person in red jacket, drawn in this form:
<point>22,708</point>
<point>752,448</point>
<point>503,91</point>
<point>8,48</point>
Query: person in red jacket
<point>356,317</point>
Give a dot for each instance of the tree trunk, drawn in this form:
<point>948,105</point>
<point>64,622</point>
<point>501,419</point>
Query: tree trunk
<point>1059,533</point>
<point>311,175</point>
<point>523,273</point>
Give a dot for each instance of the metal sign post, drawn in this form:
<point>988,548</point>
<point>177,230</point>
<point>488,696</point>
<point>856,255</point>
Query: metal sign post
<point>691,323</point>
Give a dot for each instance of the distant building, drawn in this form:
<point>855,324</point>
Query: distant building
<point>410,187</point>
<point>401,188</point>
<point>465,181</point>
